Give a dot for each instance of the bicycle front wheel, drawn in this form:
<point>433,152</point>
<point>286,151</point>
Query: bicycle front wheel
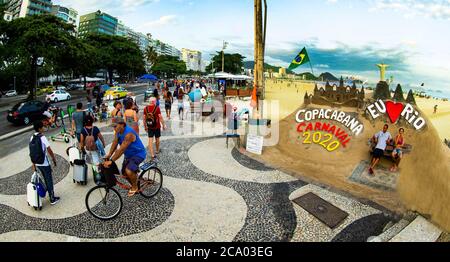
<point>150,182</point>
<point>104,203</point>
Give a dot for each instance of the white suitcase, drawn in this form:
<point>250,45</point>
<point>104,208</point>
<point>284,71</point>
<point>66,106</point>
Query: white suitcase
<point>80,170</point>
<point>33,198</point>
<point>74,154</point>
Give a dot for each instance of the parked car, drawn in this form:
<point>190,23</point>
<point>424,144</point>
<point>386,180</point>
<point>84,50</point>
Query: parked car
<point>75,86</point>
<point>11,93</point>
<point>47,89</point>
<point>61,88</point>
<point>115,93</point>
<point>25,112</point>
<point>58,95</point>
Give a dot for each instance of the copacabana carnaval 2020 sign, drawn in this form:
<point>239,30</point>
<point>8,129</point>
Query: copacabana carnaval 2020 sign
<point>395,110</point>
<point>326,134</point>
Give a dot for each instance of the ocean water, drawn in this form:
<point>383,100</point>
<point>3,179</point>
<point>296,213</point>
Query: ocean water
<point>438,93</point>
<point>431,92</point>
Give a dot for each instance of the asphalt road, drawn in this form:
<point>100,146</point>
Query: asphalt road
<point>77,96</point>
<point>11,145</point>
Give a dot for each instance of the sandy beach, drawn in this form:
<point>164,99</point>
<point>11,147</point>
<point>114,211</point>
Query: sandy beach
<point>319,166</point>
<point>440,120</point>
<point>290,95</point>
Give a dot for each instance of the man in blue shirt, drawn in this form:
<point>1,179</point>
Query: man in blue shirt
<point>132,147</point>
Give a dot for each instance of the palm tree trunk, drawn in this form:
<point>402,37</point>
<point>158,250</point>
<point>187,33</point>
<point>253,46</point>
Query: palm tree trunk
<point>259,56</point>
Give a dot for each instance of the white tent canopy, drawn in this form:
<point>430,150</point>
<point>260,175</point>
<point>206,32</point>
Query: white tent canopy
<point>243,77</point>
<point>223,75</point>
<point>88,79</point>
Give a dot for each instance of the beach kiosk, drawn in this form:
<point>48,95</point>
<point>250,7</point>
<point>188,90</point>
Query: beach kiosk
<point>234,85</point>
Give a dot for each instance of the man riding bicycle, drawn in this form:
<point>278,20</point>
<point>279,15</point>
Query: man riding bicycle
<point>132,147</point>
<point>49,112</point>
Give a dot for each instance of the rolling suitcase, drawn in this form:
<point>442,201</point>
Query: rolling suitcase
<point>74,154</point>
<point>80,170</point>
<point>33,198</point>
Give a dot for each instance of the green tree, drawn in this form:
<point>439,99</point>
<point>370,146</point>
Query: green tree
<point>151,56</point>
<point>84,63</point>
<point>27,39</point>
<point>169,66</point>
<point>117,54</point>
<point>233,63</point>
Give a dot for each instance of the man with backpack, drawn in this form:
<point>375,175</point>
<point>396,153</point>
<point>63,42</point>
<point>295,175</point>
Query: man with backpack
<point>153,121</point>
<point>78,121</point>
<point>39,146</point>
<point>92,141</point>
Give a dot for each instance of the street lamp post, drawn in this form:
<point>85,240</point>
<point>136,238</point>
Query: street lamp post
<point>14,83</point>
<point>213,68</point>
<point>225,44</point>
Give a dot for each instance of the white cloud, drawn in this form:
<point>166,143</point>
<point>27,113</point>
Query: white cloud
<point>438,9</point>
<point>162,21</point>
<point>113,6</point>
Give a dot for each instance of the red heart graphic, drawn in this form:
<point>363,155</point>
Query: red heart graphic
<point>394,110</point>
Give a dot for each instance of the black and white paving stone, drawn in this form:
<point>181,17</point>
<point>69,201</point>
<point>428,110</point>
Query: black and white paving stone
<point>270,214</point>
<point>248,162</point>
<point>17,184</point>
<point>138,215</point>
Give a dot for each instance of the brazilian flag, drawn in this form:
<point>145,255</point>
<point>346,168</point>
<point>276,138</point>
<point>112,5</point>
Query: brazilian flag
<point>300,59</point>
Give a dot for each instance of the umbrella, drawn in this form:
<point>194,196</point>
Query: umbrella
<point>196,95</point>
<point>148,77</point>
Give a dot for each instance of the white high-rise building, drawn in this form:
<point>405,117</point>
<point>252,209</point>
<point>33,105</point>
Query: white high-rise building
<point>162,48</point>
<point>23,8</point>
<point>69,15</point>
<point>193,59</point>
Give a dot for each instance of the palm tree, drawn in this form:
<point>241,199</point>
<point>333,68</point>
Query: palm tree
<point>151,56</point>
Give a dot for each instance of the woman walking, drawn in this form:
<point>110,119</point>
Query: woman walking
<point>131,117</point>
<point>92,141</point>
<point>168,101</point>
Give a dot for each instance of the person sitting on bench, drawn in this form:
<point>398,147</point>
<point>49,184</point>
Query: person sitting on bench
<point>397,154</point>
<point>381,139</point>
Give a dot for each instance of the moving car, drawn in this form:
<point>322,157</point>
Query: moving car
<point>58,95</point>
<point>115,93</point>
<point>25,112</point>
<point>148,94</point>
<point>61,88</point>
<point>11,93</point>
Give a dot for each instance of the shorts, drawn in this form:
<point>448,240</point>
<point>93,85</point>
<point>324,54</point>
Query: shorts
<point>168,106</point>
<point>154,133</point>
<point>132,164</point>
<point>398,152</point>
<point>378,153</point>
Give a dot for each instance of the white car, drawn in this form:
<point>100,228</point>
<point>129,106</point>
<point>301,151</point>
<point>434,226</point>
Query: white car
<point>61,88</point>
<point>11,93</point>
<point>58,95</point>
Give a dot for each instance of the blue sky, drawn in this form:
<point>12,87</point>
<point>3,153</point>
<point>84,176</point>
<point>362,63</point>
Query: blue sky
<point>345,37</point>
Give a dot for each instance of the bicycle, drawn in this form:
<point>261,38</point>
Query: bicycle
<point>105,203</point>
<point>56,120</point>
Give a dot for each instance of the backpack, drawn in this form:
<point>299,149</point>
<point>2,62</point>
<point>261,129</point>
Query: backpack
<point>37,155</point>
<point>151,120</point>
<point>90,141</point>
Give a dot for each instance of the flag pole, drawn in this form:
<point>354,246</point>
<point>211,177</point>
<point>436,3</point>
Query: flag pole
<point>311,67</point>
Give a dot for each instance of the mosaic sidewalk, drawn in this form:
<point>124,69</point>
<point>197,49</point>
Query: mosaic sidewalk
<point>210,193</point>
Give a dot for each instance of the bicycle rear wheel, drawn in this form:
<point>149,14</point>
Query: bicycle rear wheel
<point>58,121</point>
<point>150,182</point>
<point>104,203</point>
